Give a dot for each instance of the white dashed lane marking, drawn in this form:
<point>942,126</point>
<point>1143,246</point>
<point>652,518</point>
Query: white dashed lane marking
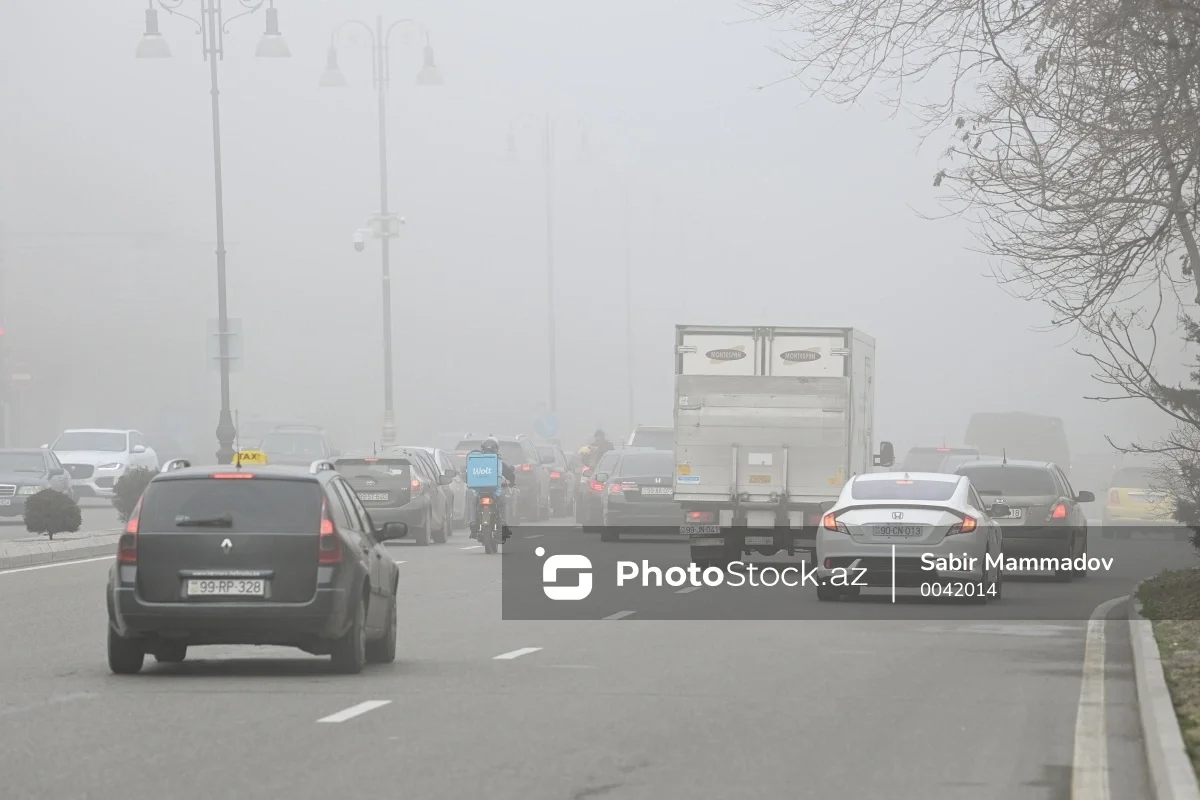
<point>620,615</point>
<point>355,711</point>
<point>524,651</point>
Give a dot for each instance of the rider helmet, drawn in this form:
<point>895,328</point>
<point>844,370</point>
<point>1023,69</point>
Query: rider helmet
<point>490,445</point>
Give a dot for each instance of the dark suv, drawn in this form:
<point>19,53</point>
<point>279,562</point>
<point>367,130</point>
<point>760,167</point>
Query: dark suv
<point>533,479</point>
<point>252,556</point>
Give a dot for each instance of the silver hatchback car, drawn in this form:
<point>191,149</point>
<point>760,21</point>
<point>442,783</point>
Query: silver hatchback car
<point>919,530</point>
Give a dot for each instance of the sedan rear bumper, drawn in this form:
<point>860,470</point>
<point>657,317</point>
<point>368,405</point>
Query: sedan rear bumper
<point>960,557</point>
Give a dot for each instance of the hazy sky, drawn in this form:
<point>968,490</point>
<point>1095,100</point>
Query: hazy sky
<point>748,207</point>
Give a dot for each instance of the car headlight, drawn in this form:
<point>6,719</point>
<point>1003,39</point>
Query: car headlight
<point>30,489</point>
<point>114,465</point>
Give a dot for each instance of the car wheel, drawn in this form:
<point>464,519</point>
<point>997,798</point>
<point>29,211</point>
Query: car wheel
<point>171,653</point>
<point>999,583</point>
<point>544,512</point>
<point>125,656</point>
<point>1065,575</point>
<point>608,534</point>
<point>349,653</point>
<point>439,536</point>
<point>1083,553</point>
<point>426,532</point>
<point>383,650</point>
<point>829,593</point>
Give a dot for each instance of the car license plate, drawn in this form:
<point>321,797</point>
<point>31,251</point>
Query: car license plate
<point>657,490</point>
<point>900,531</point>
<point>227,587</point>
<point>700,530</point>
<point>6,501</point>
<point>760,478</point>
<point>1015,513</point>
<point>376,496</point>
<point>78,481</point>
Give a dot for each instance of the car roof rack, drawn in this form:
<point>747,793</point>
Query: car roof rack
<point>174,464</point>
<point>321,465</point>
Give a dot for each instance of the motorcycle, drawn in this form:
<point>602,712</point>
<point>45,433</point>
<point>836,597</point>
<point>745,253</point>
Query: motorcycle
<point>488,517</point>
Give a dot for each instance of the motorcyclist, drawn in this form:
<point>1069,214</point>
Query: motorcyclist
<point>508,476</point>
<point>600,445</point>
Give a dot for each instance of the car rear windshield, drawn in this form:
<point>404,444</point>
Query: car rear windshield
<point>931,459</point>
<point>902,489</point>
<point>91,440</point>
<point>548,454</point>
<point>1127,478</point>
<point>380,466</point>
<point>293,444</point>
<point>22,462</point>
<point>606,462</point>
<point>510,452</point>
<point>257,505</point>
<point>659,440</point>
<point>647,464</point>
<point>1011,481</point>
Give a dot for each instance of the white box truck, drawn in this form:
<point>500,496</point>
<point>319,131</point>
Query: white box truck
<point>770,422</point>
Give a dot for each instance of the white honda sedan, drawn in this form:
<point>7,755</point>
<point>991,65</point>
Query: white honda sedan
<point>921,531</point>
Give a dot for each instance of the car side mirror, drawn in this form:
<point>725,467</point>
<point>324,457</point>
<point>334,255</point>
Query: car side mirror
<point>390,531</point>
<point>999,510</point>
<point>1085,497</point>
<point>444,479</point>
<point>56,471</point>
<point>887,455</point>
<point>451,474</point>
<point>139,448</point>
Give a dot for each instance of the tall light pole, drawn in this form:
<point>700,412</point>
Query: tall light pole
<point>629,312</point>
<point>212,27</point>
<point>384,225</point>
<point>549,160</point>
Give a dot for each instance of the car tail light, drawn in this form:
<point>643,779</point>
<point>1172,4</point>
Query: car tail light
<point>555,474</point>
<point>127,545</point>
<point>1114,497</point>
<point>526,467</point>
<point>416,485</point>
<point>597,486</point>
<point>943,449</point>
<point>231,475</point>
<point>968,525</point>
<point>700,516</point>
<point>1059,511</point>
<point>617,488</point>
<point>330,544</point>
<point>831,523</point>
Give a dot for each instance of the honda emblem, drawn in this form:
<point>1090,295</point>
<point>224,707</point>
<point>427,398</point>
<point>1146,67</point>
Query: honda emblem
<point>226,546</point>
<point>897,515</point>
<point>658,480</point>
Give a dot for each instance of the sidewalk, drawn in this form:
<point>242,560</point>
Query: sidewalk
<point>33,550</point>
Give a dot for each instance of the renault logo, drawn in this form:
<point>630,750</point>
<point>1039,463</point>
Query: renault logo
<point>895,515</point>
<point>226,546</point>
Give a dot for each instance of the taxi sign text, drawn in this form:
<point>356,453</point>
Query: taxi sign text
<point>250,457</point>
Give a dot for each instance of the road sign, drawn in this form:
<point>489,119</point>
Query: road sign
<point>546,426</point>
<point>233,336</point>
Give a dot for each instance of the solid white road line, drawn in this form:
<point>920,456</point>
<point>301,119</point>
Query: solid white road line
<point>509,656</point>
<point>472,547</point>
<point>1089,773</point>
<point>355,711</point>
<point>535,536</point>
<point>620,615</point>
<point>58,564</point>
<point>687,590</point>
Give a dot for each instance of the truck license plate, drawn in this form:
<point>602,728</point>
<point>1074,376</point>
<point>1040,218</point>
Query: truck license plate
<point>700,530</point>
<point>760,478</point>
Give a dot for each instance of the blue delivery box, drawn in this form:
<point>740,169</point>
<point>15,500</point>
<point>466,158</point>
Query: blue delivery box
<point>483,471</point>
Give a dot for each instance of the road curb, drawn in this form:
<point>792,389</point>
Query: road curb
<point>47,554</point>
<point>1171,773</point>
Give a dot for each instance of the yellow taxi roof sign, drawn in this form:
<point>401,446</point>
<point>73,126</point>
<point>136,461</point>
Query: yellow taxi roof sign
<point>250,457</point>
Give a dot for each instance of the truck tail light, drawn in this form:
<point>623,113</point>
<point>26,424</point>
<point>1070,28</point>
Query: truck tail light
<point>700,517</point>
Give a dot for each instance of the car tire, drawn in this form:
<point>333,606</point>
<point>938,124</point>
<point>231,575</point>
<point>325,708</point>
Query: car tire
<point>981,599</point>
<point>349,653</point>
<point>171,653</point>
<point>1065,575</point>
<point>545,512</point>
<point>1085,571</point>
<point>999,584</point>
<point>426,533</point>
<point>828,594</point>
<point>609,534</point>
<point>383,649</point>
<point>125,656</point>
<point>442,533</point>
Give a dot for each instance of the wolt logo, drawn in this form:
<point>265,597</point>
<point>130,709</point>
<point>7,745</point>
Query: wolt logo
<point>564,562</point>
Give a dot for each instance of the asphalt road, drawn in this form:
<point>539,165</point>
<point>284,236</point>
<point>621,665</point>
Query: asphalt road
<point>981,707</point>
<point>97,515</point>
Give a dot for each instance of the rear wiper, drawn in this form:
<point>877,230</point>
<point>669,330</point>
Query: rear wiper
<point>995,492</point>
<point>222,521</point>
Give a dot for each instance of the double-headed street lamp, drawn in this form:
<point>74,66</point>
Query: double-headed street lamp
<point>212,26</point>
<point>384,225</point>
<point>549,159</point>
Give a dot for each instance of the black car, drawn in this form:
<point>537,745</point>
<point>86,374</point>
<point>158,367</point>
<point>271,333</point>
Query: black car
<point>589,503</point>
<point>562,479</point>
<point>252,556</point>
<point>640,493</point>
<point>1046,516</point>
<point>399,485</point>
<point>24,473</point>
<point>533,479</point>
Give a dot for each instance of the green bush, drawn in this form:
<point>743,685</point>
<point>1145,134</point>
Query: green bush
<point>129,490</point>
<point>50,512</point>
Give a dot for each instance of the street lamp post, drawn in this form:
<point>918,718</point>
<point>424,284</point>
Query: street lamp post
<point>385,225</point>
<point>629,312</point>
<point>212,27</point>
<point>548,163</point>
